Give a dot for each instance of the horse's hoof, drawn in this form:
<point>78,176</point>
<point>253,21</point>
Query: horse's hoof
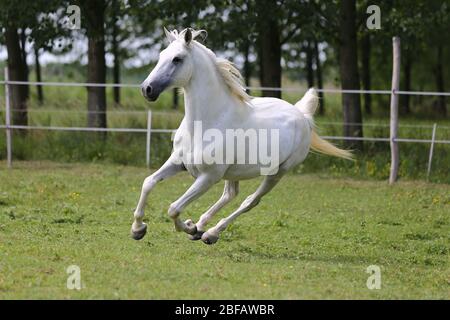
<point>209,238</point>
<point>191,228</point>
<point>139,233</point>
<point>197,236</point>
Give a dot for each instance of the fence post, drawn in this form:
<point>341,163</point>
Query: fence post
<point>149,135</point>
<point>394,110</point>
<point>8,121</point>
<point>430,159</point>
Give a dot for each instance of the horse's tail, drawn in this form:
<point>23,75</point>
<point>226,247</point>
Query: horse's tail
<point>308,106</point>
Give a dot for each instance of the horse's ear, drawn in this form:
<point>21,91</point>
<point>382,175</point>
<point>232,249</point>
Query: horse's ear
<point>169,35</point>
<point>188,36</point>
<point>200,33</point>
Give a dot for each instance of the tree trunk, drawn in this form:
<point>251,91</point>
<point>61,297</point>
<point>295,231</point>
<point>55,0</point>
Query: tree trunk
<point>95,11</point>
<point>309,64</point>
<point>17,72</point>
<point>269,49</point>
<point>247,65</point>
<point>116,77</point>
<point>442,108</point>
<point>319,77</point>
<point>366,76</point>
<point>23,53</point>
<point>37,65</point>
<point>407,67</point>
<point>115,52</point>
<point>348,65</point>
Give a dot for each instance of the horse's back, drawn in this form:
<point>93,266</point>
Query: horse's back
<point>294,134</point>
<point>274,107</point>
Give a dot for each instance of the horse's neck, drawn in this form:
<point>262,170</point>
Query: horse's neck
<point>207,99</point>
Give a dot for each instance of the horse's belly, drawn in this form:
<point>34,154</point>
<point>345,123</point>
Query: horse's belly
<point>242,172</point>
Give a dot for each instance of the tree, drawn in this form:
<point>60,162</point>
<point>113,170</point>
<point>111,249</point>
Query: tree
<point>366,71</point>
<point>47,34</point>
<point>348,67</point>
<point>277,23</point>
<point>23,23</point>
<point>310,51</point>
<point>16,63</point>
<point>269,47</point>
<point>17,20</point>
<point>118,24</point>
<point>406,20</point>
<point>319,77</point>
<point>94,19</point>
<point>440,86</point>
<point>438,17</point>
<point>17,72</point>
<point>314,31</point>
<point>115,50</point>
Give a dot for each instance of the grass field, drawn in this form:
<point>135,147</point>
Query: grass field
<point>311,237</point>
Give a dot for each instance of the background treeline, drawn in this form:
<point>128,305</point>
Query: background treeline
<point>274,43</point>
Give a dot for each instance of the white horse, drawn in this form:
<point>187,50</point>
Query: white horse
<point>214,95</point>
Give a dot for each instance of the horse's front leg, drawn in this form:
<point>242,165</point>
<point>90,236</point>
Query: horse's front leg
<point>199,187</point>
<point>169,168</point>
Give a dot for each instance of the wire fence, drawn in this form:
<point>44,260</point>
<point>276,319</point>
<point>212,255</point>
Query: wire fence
<point>149,130</point>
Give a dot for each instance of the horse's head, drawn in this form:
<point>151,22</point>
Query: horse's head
<point>175,65</point>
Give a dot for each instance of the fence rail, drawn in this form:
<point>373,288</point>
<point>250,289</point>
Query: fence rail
<point>287,89</point>
<point>142,130</point>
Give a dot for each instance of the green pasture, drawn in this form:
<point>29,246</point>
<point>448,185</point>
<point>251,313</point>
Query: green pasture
<point>313,236</point>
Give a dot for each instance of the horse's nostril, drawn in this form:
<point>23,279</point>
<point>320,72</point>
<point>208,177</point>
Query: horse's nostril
<point>148,90</point>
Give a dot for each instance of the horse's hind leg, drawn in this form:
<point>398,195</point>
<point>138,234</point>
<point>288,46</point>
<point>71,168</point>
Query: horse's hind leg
<point>230,191</point>
<point>212,235</point>
<point>139,228</point>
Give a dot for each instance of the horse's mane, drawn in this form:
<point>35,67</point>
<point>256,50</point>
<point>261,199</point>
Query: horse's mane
<point>229,73</point>
<point>233,79</point>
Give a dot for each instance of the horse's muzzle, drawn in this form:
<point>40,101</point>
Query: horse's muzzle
<point>152,90</point>
<point>150,93</point>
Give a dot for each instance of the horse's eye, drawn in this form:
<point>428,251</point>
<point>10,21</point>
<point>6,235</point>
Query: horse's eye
<point>177,60</point>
